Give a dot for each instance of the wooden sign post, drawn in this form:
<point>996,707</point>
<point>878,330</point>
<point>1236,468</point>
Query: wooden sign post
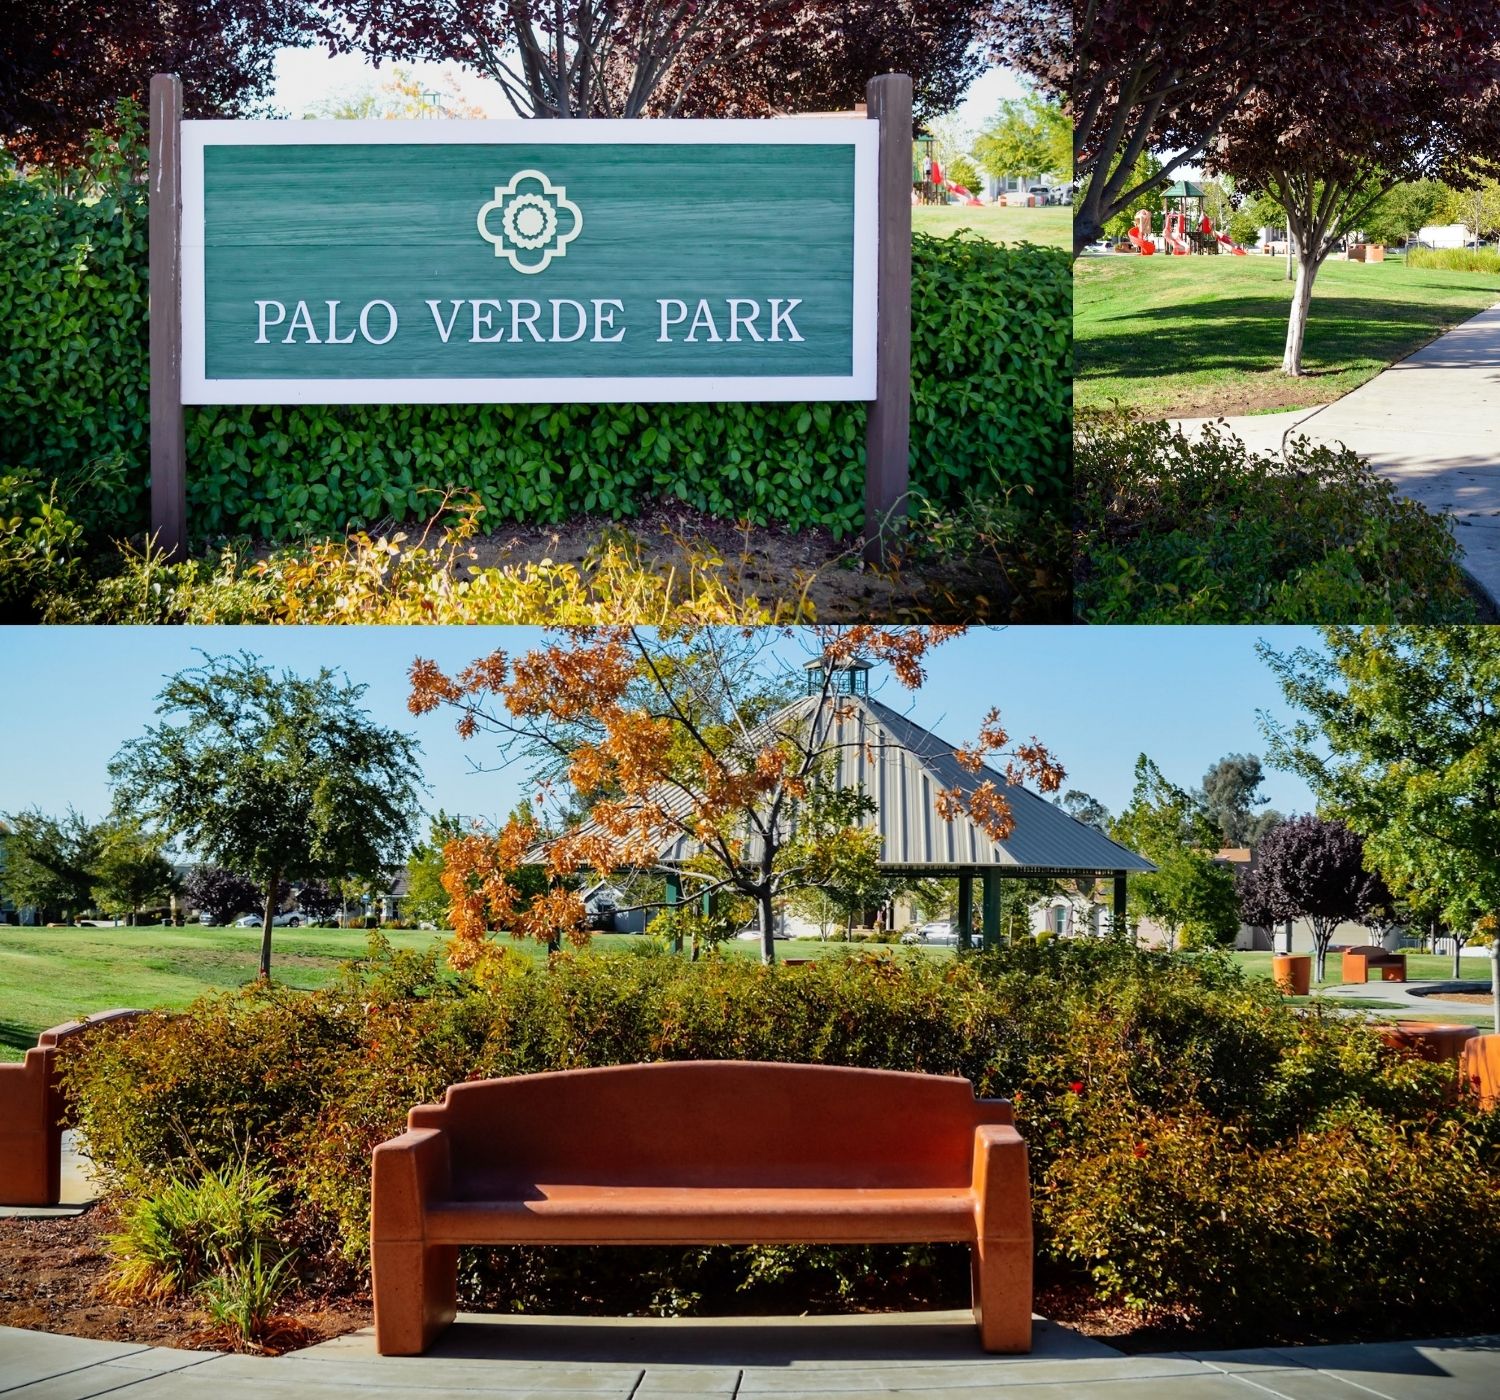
<point>545,262</point>
<point>888,431</point>
<point>164,232</point>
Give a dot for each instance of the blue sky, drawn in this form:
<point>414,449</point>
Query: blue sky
<point>69,697</point>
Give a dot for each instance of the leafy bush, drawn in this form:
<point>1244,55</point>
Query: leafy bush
<point>1455,259</point>
<point>174,1237</point>
<point>1176,529</point>
<point>992,334</point>
<point>1161,1097</point>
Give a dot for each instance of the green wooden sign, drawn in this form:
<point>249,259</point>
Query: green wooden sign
<point>453,262</point>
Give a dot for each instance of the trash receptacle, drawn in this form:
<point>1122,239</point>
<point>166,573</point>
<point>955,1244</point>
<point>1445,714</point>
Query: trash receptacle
<point>1292,972</point>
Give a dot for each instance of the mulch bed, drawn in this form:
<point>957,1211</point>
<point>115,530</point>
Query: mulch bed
<point>52,1274</point>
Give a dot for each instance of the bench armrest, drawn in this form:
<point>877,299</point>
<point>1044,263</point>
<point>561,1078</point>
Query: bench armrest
<point>408,1172</point>
<point>1002,1188</point>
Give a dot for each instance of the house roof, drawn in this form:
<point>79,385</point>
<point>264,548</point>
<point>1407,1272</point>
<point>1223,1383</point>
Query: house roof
<point>904,767</point>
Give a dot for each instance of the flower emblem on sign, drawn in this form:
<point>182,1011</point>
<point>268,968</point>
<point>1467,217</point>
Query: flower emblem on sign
<point>537,221</point>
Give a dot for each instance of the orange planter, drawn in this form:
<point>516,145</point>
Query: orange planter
<point>1292,972</point>
<point>1479,1068</point>
<point>1428,1040</point>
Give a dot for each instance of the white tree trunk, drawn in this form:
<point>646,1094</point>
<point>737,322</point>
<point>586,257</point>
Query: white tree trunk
<point>1291,360</point>
<point>1495,981</point>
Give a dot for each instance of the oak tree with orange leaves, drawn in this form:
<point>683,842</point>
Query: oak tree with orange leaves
<point>690,752</point>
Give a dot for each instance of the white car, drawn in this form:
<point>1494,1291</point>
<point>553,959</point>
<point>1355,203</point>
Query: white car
<point>940,931</point>
<point>288,920</point>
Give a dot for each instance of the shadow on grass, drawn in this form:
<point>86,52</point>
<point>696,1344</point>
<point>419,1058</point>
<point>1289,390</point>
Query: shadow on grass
<point>16,1037</point>
<point>1247,334</point>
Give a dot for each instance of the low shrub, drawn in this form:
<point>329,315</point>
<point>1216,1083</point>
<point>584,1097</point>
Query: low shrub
<point>1161,1096</point>
<point>1455,259</point>
<point>174,1237</point>
<point>240,1299</point>
<point>1176,529</point>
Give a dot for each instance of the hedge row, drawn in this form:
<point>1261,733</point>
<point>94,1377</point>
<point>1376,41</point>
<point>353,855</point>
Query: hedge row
<point>991,406</point>
<point>1197,1147</point>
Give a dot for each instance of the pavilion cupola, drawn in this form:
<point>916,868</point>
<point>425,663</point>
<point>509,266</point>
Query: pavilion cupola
<point>848,677</point>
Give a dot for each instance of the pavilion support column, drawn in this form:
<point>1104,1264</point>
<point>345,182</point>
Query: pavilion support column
<point>965,909</point>
<point>990,883</point>
<point>674,898</point>
<point>1117,924</point>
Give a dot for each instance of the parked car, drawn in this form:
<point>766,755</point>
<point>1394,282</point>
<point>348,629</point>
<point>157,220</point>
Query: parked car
<point>939,931</point>
<point>292,919</point>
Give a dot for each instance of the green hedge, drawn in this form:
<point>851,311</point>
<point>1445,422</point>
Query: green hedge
<point>991,406</point>
<point>1192,1138</point>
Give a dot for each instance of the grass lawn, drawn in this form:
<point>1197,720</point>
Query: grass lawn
<point>48,976</point>
<point>999,223</point>
<point>1199,337</point>
<point>1420,967</point>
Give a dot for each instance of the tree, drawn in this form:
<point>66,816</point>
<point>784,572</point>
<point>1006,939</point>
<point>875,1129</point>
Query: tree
<point>1230,799</point>
<point>1477,207</point>
<point>1390,94</point>
<point>130,871</point>
<point>1149,199</point>
<point>220,893</point>
<point>65,64</point>
<point>1401,741</point>
<point>400,96</point>
<point>1405,209</point>
<point>50,862</point>
<point>1083,808</point>
<point>962,171</point>
<point>1029,137</point>
<point>426,899</point>
<point>1189,894</point>
<point>317,900</point>
<point>1144,75</point>
<point>695,736</point>
<point>834,852</point>
<point>1313,868</point>
<point>284,778</point>
<point>818,55</point>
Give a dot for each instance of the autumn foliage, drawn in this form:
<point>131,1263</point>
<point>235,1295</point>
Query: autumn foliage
<point>695,741</point>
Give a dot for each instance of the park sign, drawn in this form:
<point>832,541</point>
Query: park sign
<point>528,261</point>
<point>582,261</point>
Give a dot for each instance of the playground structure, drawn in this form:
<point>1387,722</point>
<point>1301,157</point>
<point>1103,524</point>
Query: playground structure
<point>1186,227</point>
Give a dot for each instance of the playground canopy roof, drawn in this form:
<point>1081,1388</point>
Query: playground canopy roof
<point>904,767</point>
<point>1183,189</point>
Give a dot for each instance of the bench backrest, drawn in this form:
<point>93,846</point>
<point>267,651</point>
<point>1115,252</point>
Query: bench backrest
<point>711,1123</point>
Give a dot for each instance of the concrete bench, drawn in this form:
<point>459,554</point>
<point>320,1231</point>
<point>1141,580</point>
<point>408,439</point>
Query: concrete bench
<point>1479,1068</point>
<point>699,1153</point>
<point>1357,962</point>
<point>33,1113</point>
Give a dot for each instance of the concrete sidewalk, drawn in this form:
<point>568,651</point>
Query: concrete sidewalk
<point>932,1356</point>
<point>1429,424</point>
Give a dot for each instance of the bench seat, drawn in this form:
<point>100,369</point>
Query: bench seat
<point>691,1215</point>
<point>699,1153</point>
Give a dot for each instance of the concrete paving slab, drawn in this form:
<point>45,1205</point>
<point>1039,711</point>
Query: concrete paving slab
<point>999,1371</point>
<point>26,1356</point>
<point>109,1376</point>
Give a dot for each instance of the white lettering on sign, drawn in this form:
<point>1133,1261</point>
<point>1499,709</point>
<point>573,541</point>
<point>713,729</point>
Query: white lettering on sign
<point>567,322</point>
<point>364,321</point>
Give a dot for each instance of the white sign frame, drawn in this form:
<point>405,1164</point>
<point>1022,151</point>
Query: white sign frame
<point>860,133</point>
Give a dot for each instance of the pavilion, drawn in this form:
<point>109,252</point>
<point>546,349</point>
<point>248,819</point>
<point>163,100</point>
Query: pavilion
<point>903,767</point>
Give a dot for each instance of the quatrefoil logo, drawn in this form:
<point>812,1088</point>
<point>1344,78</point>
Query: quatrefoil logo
<point>533,216</point>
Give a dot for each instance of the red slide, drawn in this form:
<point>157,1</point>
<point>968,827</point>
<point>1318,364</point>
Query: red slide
<point>1233,247</point>
<point>1142,245</point>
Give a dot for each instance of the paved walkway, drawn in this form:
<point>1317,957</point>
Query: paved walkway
<point>930,1356</point>
<point>1413,998</point>
<point>1431,425</point>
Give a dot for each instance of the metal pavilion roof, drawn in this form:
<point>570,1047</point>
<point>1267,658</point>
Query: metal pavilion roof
<point>904,767</point>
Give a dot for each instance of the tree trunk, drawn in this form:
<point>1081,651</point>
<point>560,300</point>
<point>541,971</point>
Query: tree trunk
<point>1458,949</point>
<point>1495,982</point>
<point>265,925</point>
<point>1320,949</point>
<point>1307,270</point>
<point>1291,251</point>
<point>767,925</point>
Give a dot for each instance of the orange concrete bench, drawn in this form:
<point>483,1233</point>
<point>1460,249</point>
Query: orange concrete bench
<point>1435,1041</point>
<point>1357,962</point>
<point>699,1153</point>
<point>32,1113</point>
<point>1479,1068</point>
